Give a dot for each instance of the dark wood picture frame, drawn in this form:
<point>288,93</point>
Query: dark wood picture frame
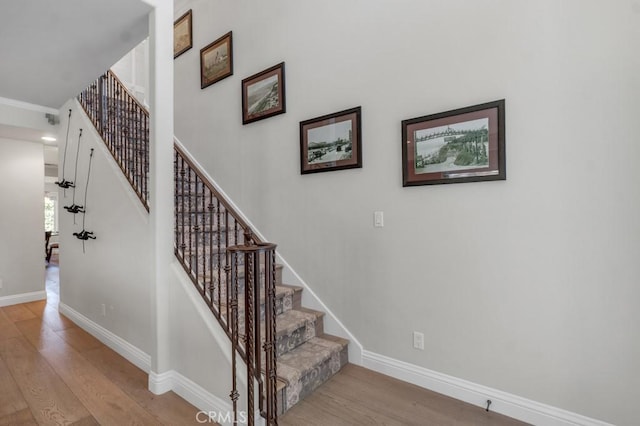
<point>182,34</point>
<point>216,60</point>
<point>461,145</point>
<point>263,94</point>
<point>331,142</point>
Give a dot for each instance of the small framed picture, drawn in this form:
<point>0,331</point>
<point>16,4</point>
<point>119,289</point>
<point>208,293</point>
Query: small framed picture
<point>263,94</point>
<point>331,142</point>
<point>182,34</point>
<point>216,61</point>
<point>462,145</point>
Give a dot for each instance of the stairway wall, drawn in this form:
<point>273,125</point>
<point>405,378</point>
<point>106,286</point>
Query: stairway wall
<point>114,269</point>
<point>528,285</point>
<point>200,349</point>
<point>21,220</point>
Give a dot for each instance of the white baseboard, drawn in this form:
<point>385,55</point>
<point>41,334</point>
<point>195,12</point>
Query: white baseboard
<point>16,299</point>
<point>501,402</point>
<point>134,355</point>
<point>209,404</point>
<point>160,383</point>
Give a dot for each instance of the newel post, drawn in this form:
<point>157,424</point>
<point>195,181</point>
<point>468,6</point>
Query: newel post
<point>253,273</point>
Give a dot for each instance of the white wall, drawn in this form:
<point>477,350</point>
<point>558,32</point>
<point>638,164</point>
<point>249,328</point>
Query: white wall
<point>527,285</point>
<point>200,349</point>
<point>133,71</point>
<point>114,269</point>
<point>20,114</point>
<point>21,217</point>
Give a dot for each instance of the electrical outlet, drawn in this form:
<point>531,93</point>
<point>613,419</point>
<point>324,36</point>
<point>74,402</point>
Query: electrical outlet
<point>103,310</point>
<point>418,340</point>
<point>0,283</point>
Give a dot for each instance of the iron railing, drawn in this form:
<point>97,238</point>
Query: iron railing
<point>123,124</point>
<point>235,279</point>
<point>256,264</point>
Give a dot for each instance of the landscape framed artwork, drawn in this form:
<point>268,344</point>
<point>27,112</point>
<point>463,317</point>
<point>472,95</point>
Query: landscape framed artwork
<point>331,142</point>
<point>216,60</point>
<point>462,145</point>
<point>263,94</point>
<point>182,34</point>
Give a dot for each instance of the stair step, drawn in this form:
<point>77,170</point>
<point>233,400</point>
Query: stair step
<point>206,277</point>
<point>295,327</point>
<point>309,365</point>
<point>296,296</point>
<point>284,302</point>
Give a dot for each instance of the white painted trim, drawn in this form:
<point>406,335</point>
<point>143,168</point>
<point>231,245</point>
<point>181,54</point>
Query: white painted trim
<point>160,383</point>
<point>332,324</point>
<point>16,299</point>
<point>25,105</point>
<point>501,402</point>
<point>134,355</point>
<point>189,391</point>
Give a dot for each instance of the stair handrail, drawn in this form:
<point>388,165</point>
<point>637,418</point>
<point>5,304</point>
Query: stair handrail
<point>123,123</point>
<point>208,231</point>
<point>223,200</point>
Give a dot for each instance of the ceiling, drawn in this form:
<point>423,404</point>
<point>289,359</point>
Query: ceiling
<point>51,50</point>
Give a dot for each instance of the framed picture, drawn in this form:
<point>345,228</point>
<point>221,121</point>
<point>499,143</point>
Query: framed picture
<point>182,34</point>
<point>216,61</point>
<point>331,142</point>
<point>263,94</point>
<point>463,145</point>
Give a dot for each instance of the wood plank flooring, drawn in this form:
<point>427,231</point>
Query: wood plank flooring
<point>357,396</point>
<point>54,373</point>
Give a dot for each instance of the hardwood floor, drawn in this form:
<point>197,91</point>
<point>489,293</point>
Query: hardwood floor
<point>53,373</point>
<point>357,396</point>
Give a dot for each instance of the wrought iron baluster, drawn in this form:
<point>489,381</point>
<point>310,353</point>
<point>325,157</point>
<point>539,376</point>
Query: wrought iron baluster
<point>182,219</point>
<point>234,333</point>
<point>254,286</point>
<point>249,333</point>
<point>226,247</point>
<point>270,341</point>
<point>176,189</point>
<point>190,224</point>
<point>211,251</point>
<point>193,207</point>
<point>218,241</point>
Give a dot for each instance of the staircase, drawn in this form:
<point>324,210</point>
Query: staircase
<point>208,233</point>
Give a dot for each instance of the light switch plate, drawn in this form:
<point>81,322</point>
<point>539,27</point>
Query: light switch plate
<point>378,219</point>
